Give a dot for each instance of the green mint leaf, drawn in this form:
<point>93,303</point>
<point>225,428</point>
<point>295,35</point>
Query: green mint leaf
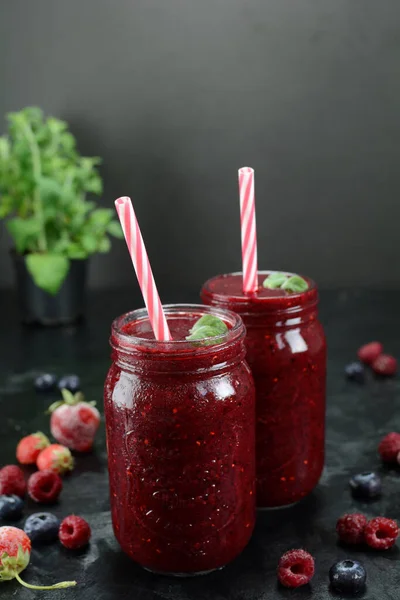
<point>114,228</point>
<point>202,333</point>
<point>275,281</point>
<point>210,321</point>
<point>295,284</point>
<point>24,232</point>
<point>75,251</point>
<point>90,243</point>
<point>48,271</point>
<point>104,245</point>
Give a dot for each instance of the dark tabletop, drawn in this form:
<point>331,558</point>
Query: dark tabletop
<point>357,417</point>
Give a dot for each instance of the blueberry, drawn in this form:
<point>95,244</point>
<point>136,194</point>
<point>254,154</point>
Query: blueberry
<point>42,528</point>
<point>356,372</point>
<point>366,485</point>
<point>11,507</point>
<point>348,576</point>
<point>45,382</point>
<point>70,382</point>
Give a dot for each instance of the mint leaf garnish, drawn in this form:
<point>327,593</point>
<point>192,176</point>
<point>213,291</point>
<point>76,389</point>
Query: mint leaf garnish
<point>295,284</point>
<point>210,321</point>
<point>274,281</point>
<point>207,326</point>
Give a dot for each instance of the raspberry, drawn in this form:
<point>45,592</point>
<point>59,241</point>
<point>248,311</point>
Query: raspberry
<point>12,481</point>
<point>55,458</point>
<point>296,568</point>
<point>74,532</point>
<point>381,533</point>
<point>30,447</point>
<point>350,528</point>
<point>389,447</point>
<point>44,486</point>
<point>369,352</point>
<point>385,365</point>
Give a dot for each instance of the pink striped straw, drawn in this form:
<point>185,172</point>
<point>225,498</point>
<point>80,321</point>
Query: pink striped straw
<point>248,228</point>
<point>137,250</point>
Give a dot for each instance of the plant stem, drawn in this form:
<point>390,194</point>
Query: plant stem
<point>57,586</point>
<point>37,172</point>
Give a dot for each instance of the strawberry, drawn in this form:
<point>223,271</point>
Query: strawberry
<point>385,365</point>
<point>74,422</point>
<point>55,458</point>
<point>369,352</point>
<point>15,554</point>
<point>30,447</point>
<point>12,481</point>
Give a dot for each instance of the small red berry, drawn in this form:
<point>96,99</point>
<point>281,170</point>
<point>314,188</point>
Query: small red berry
<point>350,528</point>
<point>12,481</point>
<point>296,568</point>
<point>369,352</point>
<point>55,458</point>
<point>389,447</point>
<point>381,533</point>
<point>74,422</point>
<point>44,486</point>
<point>385,365</point>
<point>30,447</point>
<point>74,532</point>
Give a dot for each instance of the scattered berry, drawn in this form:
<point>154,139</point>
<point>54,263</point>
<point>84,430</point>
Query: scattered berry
<point>45,382</point>
<point>366,485</point>
<point>381,533</point>
<point>350,528</point>
<point>44,486</point>
<point>30,447</point>
<point>15,554</point>
<point>389,447</point>
<point>348,576</point>
<point>356,372</point>
<point>385,365</point>
<point>55,458</point>
<point>12,481</point>
<point>296,568</point>
<point>42,528</point>
<point>74,532</point>
<point>11,507</point>
<point>70,382</point>
<point>74,422</point>
<point>369,352</point>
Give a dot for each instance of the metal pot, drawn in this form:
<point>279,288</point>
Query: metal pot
<point>37,306</point>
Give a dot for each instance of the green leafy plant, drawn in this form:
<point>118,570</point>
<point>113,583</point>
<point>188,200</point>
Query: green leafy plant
<point>43,186</point>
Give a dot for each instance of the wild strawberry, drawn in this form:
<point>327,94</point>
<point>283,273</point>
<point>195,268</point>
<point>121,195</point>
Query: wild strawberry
<point>74,532</point>
<point>369,352</point>
<point>55,458</point>
<point>12,481</point>
<point>74,422</point>
<point>44,486</point>
<point>385,365</point>
<point>15,554</point>
<point>30,447</point>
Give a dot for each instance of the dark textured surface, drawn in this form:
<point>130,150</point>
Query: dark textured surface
<point>357,417</point>
<point>176,95</point>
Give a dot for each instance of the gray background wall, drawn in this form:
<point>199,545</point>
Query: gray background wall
<point>175,95</point>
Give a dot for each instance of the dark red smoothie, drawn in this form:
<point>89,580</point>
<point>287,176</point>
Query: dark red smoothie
<point>180,420</point>
<point>286,351</point>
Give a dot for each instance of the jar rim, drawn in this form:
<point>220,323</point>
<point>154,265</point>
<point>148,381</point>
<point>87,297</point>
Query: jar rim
<point>122,340</point>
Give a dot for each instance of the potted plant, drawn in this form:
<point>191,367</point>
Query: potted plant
<point>43,186</point>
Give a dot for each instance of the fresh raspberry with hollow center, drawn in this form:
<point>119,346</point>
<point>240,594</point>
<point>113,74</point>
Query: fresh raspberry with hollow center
<point>389,447</point>
<point>296,568</point>
<point>12,481</point>
<point>381,533</point>
<point>74,532</point>
<point>370,352</point>
<point>44,486</point>
<point>350,528</point>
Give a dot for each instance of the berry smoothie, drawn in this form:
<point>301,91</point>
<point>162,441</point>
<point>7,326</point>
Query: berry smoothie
<point>180,418</point>
<point>286,351</point>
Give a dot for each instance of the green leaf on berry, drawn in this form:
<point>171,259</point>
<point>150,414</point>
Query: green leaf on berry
<point>10,566</point>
